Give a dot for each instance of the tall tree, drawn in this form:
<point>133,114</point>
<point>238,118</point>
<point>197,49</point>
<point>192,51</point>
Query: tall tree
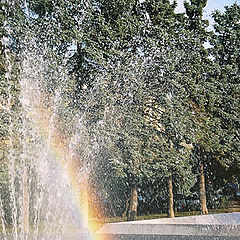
<point>225,51</point>
<point>160,12</point>
<point>125,124</point>
<point>111,29</point>
<point>201,94</point>
<point>108,28</point>
<point>194,11</point>
<point>169,114</point>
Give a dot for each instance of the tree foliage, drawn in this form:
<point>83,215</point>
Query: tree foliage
<point>153,99</point>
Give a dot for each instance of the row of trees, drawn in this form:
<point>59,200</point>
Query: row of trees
<point>159,91</point>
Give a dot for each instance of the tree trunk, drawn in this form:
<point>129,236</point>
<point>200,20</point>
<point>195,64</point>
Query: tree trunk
<point>25,202</point>
<point>170,193</point>
<point>112,209</point>
<point>124,214</point>
<point>203,199</point>
<point>132,214</point>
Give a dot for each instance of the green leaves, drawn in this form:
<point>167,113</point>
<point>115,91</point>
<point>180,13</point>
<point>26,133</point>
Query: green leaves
<point>225,50</point>
<point>154,99</point>
<point>226,37</point>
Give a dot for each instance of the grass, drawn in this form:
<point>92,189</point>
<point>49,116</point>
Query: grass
<point>178,214</point>
<point>98,224</point>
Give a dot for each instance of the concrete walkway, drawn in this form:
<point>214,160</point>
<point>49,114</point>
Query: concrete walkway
<point>215,226</point>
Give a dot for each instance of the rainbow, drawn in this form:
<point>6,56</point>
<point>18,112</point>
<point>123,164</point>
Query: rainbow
<point>83,191</point>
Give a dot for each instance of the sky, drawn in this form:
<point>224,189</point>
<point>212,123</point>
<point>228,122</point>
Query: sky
<point>212,5</point>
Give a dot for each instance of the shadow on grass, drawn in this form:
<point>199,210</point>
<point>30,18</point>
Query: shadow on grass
<point>178,214</point>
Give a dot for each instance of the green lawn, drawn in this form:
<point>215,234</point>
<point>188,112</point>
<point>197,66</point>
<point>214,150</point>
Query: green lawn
<point>98,224</point>
<point>178,214</point>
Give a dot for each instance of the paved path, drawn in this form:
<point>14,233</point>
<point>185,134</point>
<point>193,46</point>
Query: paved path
<point>215,226</point>
<point>210,227</point>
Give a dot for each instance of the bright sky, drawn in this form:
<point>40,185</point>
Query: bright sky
<point>212,5</point>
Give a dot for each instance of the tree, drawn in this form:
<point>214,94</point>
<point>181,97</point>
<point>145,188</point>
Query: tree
<point>201,96</point>
<point>124,124</point>
<point>161,13</point>
<point>211,106</point>
<point>10,148</point>
<point>194,11</point>
<point>108,28</point>
<point>225,52</point>
<point>108,33</point>
<point>169,114</point>
<point>16,130</point>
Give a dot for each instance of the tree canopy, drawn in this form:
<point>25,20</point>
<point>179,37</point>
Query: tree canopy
<point>156,93</point>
